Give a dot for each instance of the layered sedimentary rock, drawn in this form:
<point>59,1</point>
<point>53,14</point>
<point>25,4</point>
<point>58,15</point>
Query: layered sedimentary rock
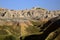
<point>34,13</point>
<point>29,22</point>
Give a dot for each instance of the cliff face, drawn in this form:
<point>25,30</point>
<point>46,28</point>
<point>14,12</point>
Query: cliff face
<point>25,22</point>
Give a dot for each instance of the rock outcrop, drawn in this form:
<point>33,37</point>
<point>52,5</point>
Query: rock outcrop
<point>35,13</point>
<point>39,23</point>
<point>50,31</point>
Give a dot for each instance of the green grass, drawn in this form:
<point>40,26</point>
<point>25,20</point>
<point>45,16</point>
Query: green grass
<point>13,31</point>
<point>8,37</point>
<point>4,33</point>
<point>32,29</point>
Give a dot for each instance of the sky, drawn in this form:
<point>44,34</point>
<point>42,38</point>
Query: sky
<point>28,4</point>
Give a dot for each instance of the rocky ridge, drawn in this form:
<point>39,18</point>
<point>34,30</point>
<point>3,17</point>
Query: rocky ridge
<point>23,15</point>
<point>34,13</point>
<point>17,21</point>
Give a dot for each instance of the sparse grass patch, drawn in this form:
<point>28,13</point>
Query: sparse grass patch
<point>3,32</point>
<point>32,29</point>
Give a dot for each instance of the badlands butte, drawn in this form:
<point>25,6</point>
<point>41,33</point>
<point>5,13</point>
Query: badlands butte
<point>23,24</point>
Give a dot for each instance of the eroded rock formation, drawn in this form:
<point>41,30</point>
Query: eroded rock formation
<point>37,23</point>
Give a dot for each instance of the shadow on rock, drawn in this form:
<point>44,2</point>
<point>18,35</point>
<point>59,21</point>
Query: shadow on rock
<point>48,27</point>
